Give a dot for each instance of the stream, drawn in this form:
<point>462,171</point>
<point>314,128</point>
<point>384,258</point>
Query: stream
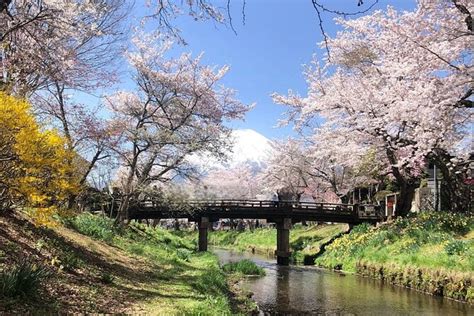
<point>310,290</point>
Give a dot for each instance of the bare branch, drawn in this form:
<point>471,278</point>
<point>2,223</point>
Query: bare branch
<point>229,15</point>
<point>318,7</point>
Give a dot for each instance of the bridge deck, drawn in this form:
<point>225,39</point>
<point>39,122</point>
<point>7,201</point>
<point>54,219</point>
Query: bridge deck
<point>255,209</point>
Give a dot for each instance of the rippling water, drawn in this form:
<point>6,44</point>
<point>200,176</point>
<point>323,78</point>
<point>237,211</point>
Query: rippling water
<point>300,290</point>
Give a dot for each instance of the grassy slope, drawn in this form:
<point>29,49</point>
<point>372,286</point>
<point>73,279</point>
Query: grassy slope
<point>432,241</point>
<point>152,271</point>
<point>303,239</point>
<point>433,253</point>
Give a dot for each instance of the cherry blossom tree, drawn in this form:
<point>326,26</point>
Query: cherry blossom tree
<point>335,161</point>
<point>313,167</point>
<point>399,83</point>
<point>52,49</point>
<point>49,42</point>
<point>166,11</point>
<point>178,109</point>
<point>239,182</point>
<point>87,134</point>
<point>286,171</point>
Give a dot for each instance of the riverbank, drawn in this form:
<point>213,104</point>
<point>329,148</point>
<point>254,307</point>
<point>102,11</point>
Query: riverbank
<point>308,290</point>
<point>92,266</point>
<point>304,240</point>
<point>429,252</point>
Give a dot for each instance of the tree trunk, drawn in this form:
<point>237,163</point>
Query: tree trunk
<point>69,142</point>
<point>407,186</point>
<point>407,192</point>
<point>176,224</point>
<point>455,194</point>
<point>344,198</point>
<point>122,214</point>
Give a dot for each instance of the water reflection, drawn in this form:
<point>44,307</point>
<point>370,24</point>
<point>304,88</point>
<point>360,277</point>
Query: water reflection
<point>297,290</point>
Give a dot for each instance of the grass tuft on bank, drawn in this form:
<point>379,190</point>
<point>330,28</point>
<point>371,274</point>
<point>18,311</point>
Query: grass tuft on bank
<point>244,267</point>
<point>23,280</point>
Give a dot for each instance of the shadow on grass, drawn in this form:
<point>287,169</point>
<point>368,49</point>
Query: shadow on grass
<point>82,290</point>
<point>19,239</point>
<point>301,242</point>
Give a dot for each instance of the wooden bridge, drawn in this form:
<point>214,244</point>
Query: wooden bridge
<point>283,213</point>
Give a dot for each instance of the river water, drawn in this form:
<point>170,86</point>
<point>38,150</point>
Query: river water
<point>309,290</point>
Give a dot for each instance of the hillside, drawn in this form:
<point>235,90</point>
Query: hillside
<point>132,270</point>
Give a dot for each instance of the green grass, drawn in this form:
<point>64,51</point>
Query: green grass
<point>22,280</point>
<point>429,240</point>
<point>107,278</point>
<point>304,240</point>
<point>244,267</point>
<point>181,281</point>
<point>98,227</point>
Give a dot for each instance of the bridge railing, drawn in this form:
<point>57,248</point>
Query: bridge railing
<point>251,203</point>
<point>268,203</point>
<point>288,205</point>
<point>232,202</point>
<point>190,206</point>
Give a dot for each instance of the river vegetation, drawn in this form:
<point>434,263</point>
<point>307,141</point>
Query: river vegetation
<point>431,252</point>
<point>304,240</point>
<point>244,267</point>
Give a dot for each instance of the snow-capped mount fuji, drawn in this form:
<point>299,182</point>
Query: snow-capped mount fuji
<point>250,148</point>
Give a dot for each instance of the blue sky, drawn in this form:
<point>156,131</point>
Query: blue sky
<point>268,53</point>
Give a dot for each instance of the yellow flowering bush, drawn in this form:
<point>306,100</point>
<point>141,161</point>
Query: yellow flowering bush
<point>33,162</point>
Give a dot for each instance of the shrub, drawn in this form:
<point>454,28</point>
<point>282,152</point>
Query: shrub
<point>137,249</point>
<point>455,247</point>
<point>245,267</point>
<point>183,254</point>
<point>159,236</point>
<point>95,226</point>
<point>107,278</point>
<point>362,228</point>
<point>22,280</point>
<point>70,261</point>
<point>34,171</point>
<point>447,222</point>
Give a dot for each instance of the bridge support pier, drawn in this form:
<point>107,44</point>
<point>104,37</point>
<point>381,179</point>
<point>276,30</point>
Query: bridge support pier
<point>203,229</point>
<point>283,241</point>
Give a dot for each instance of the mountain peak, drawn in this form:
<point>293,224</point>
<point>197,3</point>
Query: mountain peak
<point>249,148</point>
